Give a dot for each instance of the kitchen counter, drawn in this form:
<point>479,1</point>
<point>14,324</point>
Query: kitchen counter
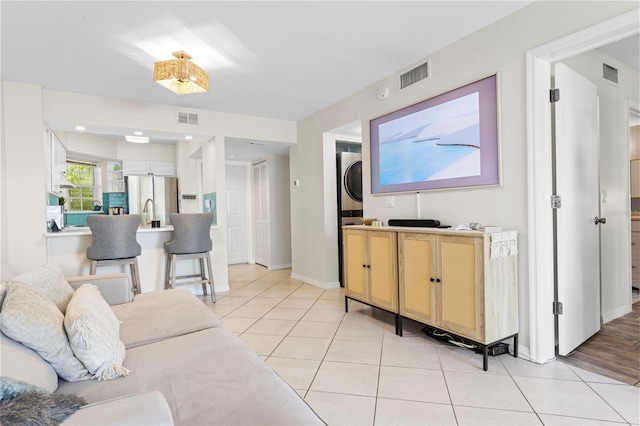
<point>84,230</point>
<point>68,248</point>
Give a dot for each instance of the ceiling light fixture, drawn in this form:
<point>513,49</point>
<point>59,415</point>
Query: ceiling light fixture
<point>138,133</point>
<point>181,75</point>
<point>80,128</point>
<point>188,137</point>
<point>137,139</point>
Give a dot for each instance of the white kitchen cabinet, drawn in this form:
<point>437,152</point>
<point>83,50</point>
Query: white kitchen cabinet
<point>141,167</point>
<point>57,164</point>
<point>162,168</point>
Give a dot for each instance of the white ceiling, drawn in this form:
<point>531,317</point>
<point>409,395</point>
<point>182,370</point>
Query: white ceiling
<point>283,60</point>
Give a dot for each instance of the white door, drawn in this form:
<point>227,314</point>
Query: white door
<point>237,214</point>
<point>261,214</point>
<point>577,182</point>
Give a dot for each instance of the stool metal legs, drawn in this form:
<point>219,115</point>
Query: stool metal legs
<point>133,265</point>
<point>205,277</point>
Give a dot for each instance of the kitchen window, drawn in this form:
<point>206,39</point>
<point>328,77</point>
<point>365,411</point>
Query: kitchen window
<point>83,196</point>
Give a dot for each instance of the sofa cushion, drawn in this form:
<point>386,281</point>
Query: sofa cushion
<point>149,408</point>
<point>159,315</point>
<point>207,377</point>
<point>49,280</point>
<point>19,362</point>
<point>92,328</point>
<point>33,320</point>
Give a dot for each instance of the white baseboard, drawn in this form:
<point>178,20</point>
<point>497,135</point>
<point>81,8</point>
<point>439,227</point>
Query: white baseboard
<point>616,313</point>
<point>320,284</point>
<point>283,266</point>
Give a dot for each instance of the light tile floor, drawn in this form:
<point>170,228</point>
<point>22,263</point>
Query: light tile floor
<point>352,368</point>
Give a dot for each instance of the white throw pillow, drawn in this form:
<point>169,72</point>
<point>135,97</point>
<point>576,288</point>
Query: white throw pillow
<point>33,320</point>
<point>94,331</point>
<point>49,280</point>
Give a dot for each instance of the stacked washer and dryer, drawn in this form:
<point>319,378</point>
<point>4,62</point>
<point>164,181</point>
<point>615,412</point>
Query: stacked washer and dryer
<point>349,177</point>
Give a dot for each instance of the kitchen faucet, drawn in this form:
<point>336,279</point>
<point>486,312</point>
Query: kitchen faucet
<point>150,213</point>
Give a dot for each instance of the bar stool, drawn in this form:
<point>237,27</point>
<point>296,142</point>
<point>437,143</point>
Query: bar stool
<point>115,243</point>
<point>191,240</point>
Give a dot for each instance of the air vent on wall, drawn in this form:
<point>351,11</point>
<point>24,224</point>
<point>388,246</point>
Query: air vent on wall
<point>415,75</point>
<point>610,73</point>
<point>187,118</point>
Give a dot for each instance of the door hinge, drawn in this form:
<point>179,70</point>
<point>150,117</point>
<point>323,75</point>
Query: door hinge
<point>554,95</point>
<point>557,308</point>
<point>556,201</point>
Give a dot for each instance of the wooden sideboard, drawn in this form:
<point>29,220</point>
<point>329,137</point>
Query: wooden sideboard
<point>444,279</point>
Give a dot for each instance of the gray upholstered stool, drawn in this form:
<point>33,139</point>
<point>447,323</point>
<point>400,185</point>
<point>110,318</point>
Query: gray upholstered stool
<point>191,240</point>
<point>115,243</point>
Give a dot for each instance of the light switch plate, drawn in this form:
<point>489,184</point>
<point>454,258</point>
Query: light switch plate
<point>388,201</point>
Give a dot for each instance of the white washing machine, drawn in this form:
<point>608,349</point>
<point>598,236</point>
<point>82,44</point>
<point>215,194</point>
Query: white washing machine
<point>350,175</point>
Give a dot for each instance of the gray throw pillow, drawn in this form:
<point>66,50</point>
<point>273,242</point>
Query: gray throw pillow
<point>50,281</point>
<point>33,320</point>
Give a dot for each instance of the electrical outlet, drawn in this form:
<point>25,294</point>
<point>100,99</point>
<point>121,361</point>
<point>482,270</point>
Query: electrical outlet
<point>388,201</point>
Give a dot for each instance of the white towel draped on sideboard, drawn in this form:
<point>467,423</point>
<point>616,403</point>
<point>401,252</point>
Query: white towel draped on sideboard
<point>504,244</point>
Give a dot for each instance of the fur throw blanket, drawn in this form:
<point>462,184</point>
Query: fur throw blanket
<point>35,406</point>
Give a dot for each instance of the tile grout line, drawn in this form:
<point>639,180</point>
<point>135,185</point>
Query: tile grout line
<point>325,354</point>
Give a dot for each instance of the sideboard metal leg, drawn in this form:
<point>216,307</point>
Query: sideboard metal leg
<point>485,358</point>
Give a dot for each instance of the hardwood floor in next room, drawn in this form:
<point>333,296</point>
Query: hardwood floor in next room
<point>614,351</point>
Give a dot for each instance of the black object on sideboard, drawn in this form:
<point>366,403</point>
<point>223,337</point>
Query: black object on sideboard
<point>420,223</point>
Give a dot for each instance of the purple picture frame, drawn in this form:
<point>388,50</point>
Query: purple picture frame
<point>448,141</point>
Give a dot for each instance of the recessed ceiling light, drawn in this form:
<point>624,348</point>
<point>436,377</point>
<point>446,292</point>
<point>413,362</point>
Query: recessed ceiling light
<point>137,139</point>
<point>231,156</point>
<point>188,137</point>
<point>137,133</point>
<point>80,128</point>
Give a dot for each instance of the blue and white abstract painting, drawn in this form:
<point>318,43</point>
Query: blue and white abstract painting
<point>441,142</point>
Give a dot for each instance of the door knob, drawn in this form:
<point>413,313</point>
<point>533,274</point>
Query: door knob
<point>598,220</point>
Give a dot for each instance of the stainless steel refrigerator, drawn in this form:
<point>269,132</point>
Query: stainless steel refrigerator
<point>152,197</point>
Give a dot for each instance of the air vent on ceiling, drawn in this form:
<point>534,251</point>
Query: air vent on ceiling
<point>415,75</point>
<point>610,73</point>
<point>187,118</point>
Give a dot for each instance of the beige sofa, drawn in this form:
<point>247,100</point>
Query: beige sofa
<point>185,368</point>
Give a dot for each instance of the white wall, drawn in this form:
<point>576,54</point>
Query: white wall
<point>614,177</point>
<point>499,48</point>
<point>3,190</point>
<point>83,144</point>
<point>24,165</point>
<point>279,212</point>
<point>64,107</point>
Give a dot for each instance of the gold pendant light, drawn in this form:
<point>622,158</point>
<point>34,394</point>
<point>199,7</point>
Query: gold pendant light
<point>181,75</point>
